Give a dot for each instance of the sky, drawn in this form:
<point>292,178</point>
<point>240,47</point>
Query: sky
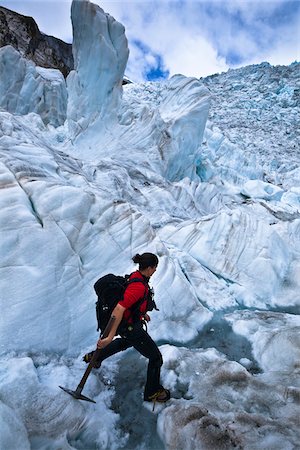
<point>192,37</point>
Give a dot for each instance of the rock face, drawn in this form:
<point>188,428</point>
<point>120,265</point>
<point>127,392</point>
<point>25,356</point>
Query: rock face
<point>24,35</point>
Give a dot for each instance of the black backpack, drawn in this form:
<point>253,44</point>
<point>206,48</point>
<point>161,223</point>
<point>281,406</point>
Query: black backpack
<point>110,290</point>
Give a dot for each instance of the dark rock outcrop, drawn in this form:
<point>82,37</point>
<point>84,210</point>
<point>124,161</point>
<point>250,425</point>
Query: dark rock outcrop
<point>24,35</point>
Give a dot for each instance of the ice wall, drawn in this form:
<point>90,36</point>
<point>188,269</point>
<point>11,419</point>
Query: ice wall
<point>237,248</point>
<point>77,210</point>
<point>102,123</point>
<point>100,55</point>
<point>26,88</point>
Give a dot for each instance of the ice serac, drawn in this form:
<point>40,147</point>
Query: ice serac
<point>162,133</point>
<point>26,88</point>
<point>100,55</point>
<point>184,109</point>
<point>159,129</point>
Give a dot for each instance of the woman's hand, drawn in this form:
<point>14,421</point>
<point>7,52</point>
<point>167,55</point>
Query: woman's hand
<point>103,342</point>
<point>117,315</point>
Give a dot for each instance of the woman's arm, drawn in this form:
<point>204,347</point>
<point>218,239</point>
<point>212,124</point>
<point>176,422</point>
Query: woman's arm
<point>118,314</point>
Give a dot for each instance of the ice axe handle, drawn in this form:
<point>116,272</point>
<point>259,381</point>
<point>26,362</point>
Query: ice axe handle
<point>108,327</point>
<point>95,355</point>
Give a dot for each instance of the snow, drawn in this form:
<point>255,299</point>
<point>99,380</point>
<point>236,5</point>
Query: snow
<point>93,174</point>
<point>46,414</point>
<point>219,404</point>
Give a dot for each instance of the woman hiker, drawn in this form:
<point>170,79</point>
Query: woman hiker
<point>132,334</point>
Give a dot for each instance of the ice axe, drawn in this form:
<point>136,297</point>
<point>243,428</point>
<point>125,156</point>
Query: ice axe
<point>77,393</point>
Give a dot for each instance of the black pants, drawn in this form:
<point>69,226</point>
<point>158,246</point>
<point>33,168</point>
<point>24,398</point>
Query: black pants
<point>142,342</point>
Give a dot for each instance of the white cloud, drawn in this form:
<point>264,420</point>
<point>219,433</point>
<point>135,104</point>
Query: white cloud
<point>137,65</point>
<point>204,37</point>
<point>161,26</point>
<point>150,59</point>
<point>193,56</point>
<point>193,37</point>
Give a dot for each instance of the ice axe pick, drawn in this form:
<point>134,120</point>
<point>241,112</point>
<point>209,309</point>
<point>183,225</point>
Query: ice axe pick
<point>77,393</point>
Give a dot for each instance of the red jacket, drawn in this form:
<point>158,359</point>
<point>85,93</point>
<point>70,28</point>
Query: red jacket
<point>133,293</point>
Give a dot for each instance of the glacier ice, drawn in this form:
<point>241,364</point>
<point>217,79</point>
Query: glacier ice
<point>25,88</point>
<point>274,337</point>
<point>11,422</point>
<point>94,88</point>
<point>133,169</point>
<point>257,108</point>
<point>260,189</point>
<point>238,248</point>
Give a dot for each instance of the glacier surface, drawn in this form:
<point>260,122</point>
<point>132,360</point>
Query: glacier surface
<point>92,173</point>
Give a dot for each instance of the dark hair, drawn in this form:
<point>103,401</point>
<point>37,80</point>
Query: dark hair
<point>145,260</point>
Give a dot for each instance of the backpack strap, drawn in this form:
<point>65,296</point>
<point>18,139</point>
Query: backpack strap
<point>136,280</point>
<point>139,280</point>
<point>135,307</point>
<point>150,301</point>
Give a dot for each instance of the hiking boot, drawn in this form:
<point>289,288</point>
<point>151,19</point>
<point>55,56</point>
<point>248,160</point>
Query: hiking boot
<point>162,395</point>
<point>88,357</point>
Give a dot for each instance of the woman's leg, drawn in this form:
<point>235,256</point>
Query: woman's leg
<point>143,343</point>
<point>117,345</point>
